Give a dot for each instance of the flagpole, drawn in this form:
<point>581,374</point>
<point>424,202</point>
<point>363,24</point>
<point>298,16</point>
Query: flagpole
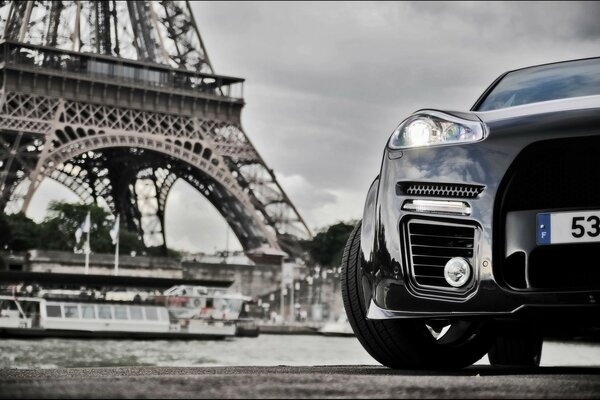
<point>117,247</point>
<point>87,245</point>
<point>117,258</point>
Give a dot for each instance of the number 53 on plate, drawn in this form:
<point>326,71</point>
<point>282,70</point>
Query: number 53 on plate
<point>568,227</point>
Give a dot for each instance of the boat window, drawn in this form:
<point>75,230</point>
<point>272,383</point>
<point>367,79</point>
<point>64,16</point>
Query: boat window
<point>163,314</point>
<point>53,311</point>
<point>8,305</point>
<point>71,312</point>
<point>30,308</point>
<point>104,312</point>
<point>120,313</point>
<point>136,313</point>
<point>151,313</point>
<point>88,312</point>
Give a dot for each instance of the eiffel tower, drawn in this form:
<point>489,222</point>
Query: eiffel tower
<point>117,101</point>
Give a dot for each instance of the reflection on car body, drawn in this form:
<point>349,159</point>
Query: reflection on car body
<point>482,226</point>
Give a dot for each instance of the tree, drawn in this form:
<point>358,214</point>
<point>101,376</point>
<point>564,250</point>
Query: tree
<point>5,232</point>
<point>22,232</point>
<point>129,241</point>
<point>327,247</point>
<point>57,232</point>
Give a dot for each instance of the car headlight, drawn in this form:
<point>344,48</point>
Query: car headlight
<point>433,128</point>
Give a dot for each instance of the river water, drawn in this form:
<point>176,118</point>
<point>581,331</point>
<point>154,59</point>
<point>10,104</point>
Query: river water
<point>266,350</point>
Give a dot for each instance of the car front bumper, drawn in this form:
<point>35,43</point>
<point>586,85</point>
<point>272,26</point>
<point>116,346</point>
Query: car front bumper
<point>500,232</point>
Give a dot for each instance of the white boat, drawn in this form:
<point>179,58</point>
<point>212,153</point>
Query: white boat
<point>185,301</point>
<point>203,315</point>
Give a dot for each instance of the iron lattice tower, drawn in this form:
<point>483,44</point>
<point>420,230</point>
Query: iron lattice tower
<point>117,100</point>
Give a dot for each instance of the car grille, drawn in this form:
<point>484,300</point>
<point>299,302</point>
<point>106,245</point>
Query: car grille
<point>440,190</point>
<point>432,244</point>
<point>553,174</point>
<point>568,266</point>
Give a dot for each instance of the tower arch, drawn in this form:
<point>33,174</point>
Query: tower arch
<point>102,110</point>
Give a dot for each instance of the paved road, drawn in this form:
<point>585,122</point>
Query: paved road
<point>308,382</point>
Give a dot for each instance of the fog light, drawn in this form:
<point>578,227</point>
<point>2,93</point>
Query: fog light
<point>457,272</point>
<point>437,206</point>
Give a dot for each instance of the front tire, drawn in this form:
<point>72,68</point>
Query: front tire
<point>406,344</point>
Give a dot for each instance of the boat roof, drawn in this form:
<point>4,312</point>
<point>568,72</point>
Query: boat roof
<point>19,298</point>
<point>203,291</point>
<point>78,280</point>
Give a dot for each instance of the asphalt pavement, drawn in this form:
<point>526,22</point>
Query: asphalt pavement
<point>305,382</point>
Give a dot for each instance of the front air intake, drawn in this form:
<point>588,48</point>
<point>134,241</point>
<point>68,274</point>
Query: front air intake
<point>432,244</point>
<point>458,191</point>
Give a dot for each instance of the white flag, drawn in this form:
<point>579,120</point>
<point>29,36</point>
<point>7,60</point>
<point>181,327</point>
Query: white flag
<point>114,231</point>
<point>87,224</point>
<point>84,227</point>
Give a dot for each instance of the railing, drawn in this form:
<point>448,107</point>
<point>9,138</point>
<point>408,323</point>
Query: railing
<point>119,70</point>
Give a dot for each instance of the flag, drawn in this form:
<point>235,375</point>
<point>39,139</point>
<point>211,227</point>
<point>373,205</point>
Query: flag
<point>84,227</point>
<point>114,231</point>
<point>87,224</point>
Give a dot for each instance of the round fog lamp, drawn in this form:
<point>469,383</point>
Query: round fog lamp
<point>457,272</point>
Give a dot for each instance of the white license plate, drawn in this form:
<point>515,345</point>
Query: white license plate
<point>568,227</point>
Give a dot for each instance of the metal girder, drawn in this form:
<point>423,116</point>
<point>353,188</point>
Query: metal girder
<point>187,49</point>
<point>14,18</point>
<point>160,32</point>
<point>56,8</point>
<point>215,156</point>
<point>79,118</point>
<point>19,153</point>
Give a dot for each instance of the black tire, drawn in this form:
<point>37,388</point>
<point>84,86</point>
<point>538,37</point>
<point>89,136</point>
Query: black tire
<point>517,348</point>
<point>406,344</point>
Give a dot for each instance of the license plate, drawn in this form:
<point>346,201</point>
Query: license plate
<point>568,227</point>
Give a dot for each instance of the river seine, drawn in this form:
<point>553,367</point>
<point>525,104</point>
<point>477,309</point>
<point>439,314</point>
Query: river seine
<point>265,350</point>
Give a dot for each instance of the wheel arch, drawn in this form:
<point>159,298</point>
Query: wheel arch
<point>369,222</point>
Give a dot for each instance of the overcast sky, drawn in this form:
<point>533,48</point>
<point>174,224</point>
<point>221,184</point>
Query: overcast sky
<point>326,83</point>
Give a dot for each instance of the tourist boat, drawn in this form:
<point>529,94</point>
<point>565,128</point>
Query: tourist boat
<point>182,312</point>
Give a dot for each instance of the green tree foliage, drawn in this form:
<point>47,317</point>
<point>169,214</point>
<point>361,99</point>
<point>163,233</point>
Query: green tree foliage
<point>57,231</point>
<point>19,233</point>
<point>5,232</point>
<point>327,247</point>
<point>59,227</point>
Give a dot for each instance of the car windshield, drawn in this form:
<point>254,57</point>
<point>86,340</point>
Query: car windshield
<point>543,83</point>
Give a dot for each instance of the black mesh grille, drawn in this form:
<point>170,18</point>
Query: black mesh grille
<point>440,190</point>
<point>556,174</point>
<point>432,245</point>
<point>551,175</point>
<point>567,266</point>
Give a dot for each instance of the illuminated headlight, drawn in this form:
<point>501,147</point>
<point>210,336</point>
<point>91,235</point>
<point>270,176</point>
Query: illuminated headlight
<point>434,128</point>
